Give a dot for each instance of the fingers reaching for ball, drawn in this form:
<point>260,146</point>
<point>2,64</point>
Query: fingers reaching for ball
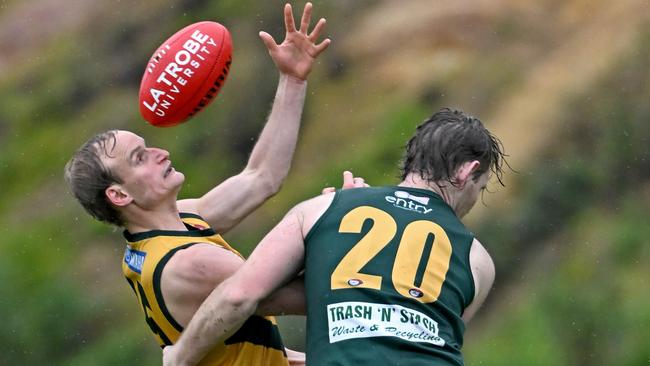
<point>296,55</point>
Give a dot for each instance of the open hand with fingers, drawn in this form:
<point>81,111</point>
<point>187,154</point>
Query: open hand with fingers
<point>295,56</point>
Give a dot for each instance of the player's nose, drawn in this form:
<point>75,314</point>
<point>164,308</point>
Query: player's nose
<point>160,154</point>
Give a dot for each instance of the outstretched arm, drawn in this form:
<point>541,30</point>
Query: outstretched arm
<point>229,202</point>
<point>230,304</point>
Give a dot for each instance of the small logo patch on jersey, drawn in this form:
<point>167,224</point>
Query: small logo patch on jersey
<point>407,201</point>
<point>354,282</point>
<point>416,292</point>
<point>134,259</point>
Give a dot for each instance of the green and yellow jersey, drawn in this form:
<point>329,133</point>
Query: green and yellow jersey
<point>387,277</point>
<point>257,342</point>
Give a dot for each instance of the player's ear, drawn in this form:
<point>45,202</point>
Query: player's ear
<point>465,172</point>
<point>117,195</point>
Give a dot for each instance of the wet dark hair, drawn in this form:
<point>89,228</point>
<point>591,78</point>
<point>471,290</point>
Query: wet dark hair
<point>446,140</point>
<point>88,178</point>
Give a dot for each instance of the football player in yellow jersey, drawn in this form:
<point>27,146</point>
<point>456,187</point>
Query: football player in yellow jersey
<point>175,256</point>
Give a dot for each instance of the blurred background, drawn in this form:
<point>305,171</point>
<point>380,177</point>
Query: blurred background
<point>564,84</point>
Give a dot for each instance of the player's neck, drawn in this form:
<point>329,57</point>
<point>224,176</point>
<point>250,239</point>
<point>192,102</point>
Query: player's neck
<point>160,218</point>
<point>415,181</point>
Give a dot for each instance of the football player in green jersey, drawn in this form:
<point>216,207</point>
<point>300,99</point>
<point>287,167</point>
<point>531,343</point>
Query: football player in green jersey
<point>175,256</point>
<point>391,274</point>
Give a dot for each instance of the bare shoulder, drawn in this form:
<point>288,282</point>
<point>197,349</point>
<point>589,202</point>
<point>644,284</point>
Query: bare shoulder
<point>480,258</point>
<point>483,272</point>
<point>322,201</point>
<point>190,276</point>
<point>202,263</point>
<point>309,211</point>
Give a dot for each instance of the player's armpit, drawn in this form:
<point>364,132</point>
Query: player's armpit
<point>225,205</point>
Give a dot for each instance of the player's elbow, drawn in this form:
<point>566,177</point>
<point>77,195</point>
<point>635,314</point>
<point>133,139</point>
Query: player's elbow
<point>267,183</point>
<point>240,300</point>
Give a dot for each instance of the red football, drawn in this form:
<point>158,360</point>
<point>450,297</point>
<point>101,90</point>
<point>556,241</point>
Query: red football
<point>185,73</point>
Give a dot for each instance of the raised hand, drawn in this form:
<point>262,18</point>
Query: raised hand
<point>349,181</point>
<point>295,56</point>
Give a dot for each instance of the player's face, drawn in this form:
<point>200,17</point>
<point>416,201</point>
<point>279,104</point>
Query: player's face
<point>147,173</point>
<point>470,193</point>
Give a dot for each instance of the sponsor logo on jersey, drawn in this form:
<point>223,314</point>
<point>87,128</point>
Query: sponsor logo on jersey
<point>134,259</point>
<point>353,319</point>
<point>407,201</point>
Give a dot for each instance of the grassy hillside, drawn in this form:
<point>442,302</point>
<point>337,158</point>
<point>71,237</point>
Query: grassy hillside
<point>564,84</point>
<point>571,253</point>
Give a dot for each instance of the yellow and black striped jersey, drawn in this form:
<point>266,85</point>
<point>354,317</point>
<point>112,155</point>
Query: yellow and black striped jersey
<point>257,342</point>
